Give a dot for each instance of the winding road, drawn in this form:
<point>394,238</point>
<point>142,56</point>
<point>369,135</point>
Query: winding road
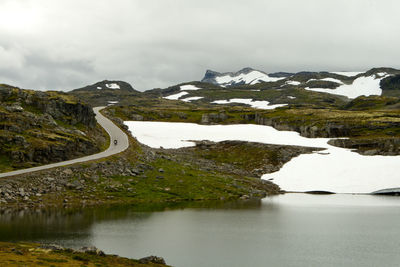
<point>113,131</point>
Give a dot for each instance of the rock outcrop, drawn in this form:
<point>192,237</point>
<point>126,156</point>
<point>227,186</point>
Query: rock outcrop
<point>369,147</point>
<point>43,127</point>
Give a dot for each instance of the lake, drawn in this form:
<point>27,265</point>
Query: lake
<point>285,230</point>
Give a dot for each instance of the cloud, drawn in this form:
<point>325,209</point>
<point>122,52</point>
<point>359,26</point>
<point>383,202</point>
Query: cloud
<point>64,44</point>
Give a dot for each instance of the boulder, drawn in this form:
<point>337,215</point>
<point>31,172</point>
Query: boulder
<point>152,259</point>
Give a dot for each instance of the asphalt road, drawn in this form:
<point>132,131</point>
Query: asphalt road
<point>113,131</point>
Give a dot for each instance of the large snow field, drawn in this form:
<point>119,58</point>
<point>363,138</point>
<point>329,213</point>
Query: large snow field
<point>327,80</point>
<point>248,101</point>
<point>335,169</point>
<point>176,135</point>
<point>340,171</point>
<point>364,85</point>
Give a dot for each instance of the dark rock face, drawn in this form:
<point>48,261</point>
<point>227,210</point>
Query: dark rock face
<point>213,118</point>
<point>329,130</point>
<point>280,74</point>
<point>44,127</point>
<point>72,112</point>
<point>210,74</point>
<point>391,83</point>
<point>369,147</point>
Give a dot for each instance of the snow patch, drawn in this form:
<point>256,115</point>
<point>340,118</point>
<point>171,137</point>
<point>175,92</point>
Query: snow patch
<point>250,102</point>
<point>176,96</point>
<point>348,73</point>
<point>295,83</point>
<point>291,97</point>
<point>99,87</point>
<point>112,86</point>
<point>382,75</point>
<point>110,103</point>
<point>189,87</point>
<point>193,98</point>
<point>327,79</point>
<point>363,85</point>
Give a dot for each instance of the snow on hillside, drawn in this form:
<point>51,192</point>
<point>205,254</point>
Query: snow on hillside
<point>364,85</point>
<point>327,79</point>
<point>193,98</point>
<point>176,96</point>
<point>189,87</point>
<point>252,77</point>
<point>348,73</point>
<point>335,169</point>
<point>251,102</point>
<point>112,86</point>
<point>110,103</point>
<point>295,83</point>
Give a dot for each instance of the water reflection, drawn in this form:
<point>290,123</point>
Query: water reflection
<point>286,230</point>
<point>73,227</point>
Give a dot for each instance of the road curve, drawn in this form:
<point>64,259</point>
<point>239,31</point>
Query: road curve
<point>113,131</point>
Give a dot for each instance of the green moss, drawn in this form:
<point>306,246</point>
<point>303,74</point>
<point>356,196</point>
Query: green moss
<point>371,103</point>
<point>246,156</point>
<point>176,182</point>
<point>5,163</point>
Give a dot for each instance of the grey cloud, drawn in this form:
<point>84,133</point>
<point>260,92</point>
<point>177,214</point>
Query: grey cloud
<point>68,44</point>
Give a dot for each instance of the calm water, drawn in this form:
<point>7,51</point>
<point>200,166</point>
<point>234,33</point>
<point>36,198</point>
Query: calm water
<point>287,230</point>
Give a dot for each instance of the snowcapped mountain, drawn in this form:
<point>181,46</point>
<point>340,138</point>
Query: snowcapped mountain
<point>242,77</point>
<point>344,83</point>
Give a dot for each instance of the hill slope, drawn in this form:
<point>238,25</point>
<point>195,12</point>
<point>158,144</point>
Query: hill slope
<point>105,92</point>
<point>43,127</point>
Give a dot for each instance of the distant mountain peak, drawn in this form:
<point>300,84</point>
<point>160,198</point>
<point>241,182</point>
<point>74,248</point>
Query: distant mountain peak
<point>210,74</point>
<point>244,76</point>
<point>246,70</point>
<point>108,85</point>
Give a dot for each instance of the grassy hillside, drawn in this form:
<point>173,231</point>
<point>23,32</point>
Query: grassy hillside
<point>30,254</point>
<point>42,127</point>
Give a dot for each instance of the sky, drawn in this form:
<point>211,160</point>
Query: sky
<point>67,44</point>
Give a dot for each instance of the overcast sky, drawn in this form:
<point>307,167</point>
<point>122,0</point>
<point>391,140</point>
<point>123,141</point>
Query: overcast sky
<point>66,44</point>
